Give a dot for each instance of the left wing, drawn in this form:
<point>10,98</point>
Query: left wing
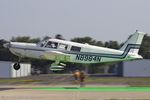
<point>56,55</point>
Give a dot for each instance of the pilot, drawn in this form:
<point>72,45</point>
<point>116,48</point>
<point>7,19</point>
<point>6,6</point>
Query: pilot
<point>54,45</point>
<point>49,45</point>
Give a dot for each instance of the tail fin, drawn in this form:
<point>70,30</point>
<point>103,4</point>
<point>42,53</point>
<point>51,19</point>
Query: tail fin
<point>134,41</point>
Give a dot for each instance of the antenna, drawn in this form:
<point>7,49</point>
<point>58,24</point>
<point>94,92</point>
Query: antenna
<point>137,31</point>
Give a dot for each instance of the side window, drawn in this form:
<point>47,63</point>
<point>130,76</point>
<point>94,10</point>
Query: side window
<point>51,45</point>
<point>63,46</point>
<point>75,48</point>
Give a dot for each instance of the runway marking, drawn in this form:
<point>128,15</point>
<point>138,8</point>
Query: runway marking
<point>97,89</point>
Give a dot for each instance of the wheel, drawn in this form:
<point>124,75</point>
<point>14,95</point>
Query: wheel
<point>16,66</point>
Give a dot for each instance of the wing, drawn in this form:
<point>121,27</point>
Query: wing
<point>56,55</point>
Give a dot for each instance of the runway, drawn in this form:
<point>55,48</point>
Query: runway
<point>32,92</point>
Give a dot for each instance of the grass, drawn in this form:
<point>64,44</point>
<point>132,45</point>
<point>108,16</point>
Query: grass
<point>97,89</point>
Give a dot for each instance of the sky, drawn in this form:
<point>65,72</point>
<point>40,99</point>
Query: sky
<point>102,20</point>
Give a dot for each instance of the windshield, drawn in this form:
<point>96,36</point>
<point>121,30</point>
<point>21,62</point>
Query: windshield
<point>42,43</point>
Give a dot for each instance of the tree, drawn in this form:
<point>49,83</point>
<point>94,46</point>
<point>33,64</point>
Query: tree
<point>145,47</point>
<point>46,37</point>
<point>112,44</point>
<point>88,40</point>
<point>26,39</point>
<point>99,43</point>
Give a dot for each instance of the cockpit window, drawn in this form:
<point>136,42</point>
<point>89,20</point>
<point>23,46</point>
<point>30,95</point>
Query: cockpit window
<point>51,45</point>
<point>41,44</point>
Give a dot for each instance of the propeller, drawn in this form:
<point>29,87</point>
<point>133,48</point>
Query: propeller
<point>3,41</point>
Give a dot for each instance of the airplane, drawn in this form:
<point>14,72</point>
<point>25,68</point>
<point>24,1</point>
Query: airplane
<point>62,51</point>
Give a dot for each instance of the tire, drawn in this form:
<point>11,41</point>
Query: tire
<point>16,66</point>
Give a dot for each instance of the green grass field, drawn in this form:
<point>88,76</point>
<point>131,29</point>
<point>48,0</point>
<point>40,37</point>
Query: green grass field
<point>97,89</point>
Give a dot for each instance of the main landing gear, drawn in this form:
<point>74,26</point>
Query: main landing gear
<point>57,66</point>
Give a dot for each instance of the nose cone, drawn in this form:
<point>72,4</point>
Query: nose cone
<point>6,45</point>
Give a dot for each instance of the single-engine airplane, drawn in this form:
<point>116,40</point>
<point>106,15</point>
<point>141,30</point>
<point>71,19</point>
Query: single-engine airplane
<point>62,51</point>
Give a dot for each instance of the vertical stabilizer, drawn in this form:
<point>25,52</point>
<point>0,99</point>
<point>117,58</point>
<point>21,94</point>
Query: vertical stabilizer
<point>134,40</point>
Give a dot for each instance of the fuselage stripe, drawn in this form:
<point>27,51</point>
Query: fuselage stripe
<point>121,56</point>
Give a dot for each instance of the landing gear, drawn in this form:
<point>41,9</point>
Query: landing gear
<point>57,66</point>
<point>16,66</point>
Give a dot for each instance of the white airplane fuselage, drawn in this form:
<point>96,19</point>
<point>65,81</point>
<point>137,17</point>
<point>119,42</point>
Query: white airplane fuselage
<point>74,52</point>
<point>66,51</point>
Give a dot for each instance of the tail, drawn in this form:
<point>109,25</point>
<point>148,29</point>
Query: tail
<point>133,43</point>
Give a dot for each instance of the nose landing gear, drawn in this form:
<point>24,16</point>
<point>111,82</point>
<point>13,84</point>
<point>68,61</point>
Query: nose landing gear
<point>16,66</point>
